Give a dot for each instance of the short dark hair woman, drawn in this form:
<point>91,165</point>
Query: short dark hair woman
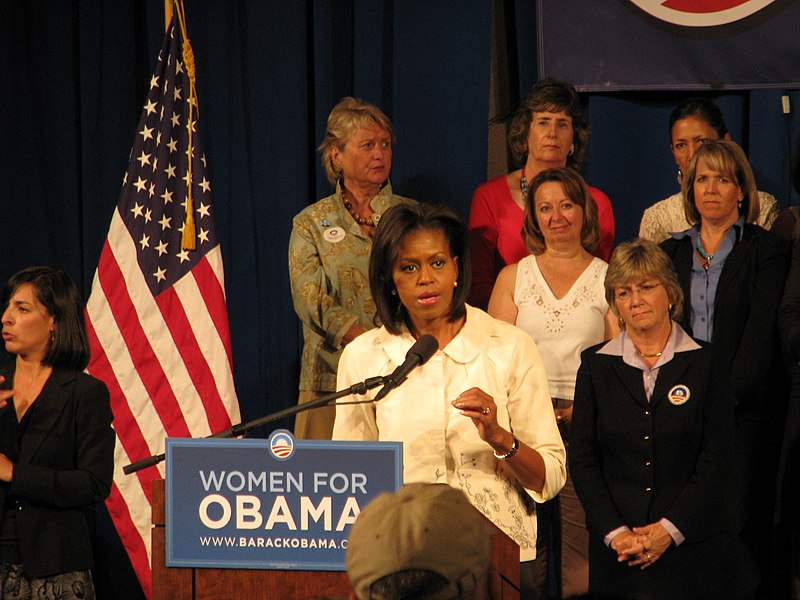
<point>56,440</point>
<point>477,415</point>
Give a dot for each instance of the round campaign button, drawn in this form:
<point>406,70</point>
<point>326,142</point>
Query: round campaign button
<point>679,394</point>
<point>334,235</point>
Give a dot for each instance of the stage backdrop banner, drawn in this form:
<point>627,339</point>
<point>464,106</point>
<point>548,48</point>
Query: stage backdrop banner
<point>670,44</point>
<point>280,503</point>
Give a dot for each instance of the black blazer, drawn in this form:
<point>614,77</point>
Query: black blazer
<point>65,465</point>
<point>745,308</point>
<point>789,326</point>
<point>634,462</point>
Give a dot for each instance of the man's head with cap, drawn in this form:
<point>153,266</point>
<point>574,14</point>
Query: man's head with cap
<point>425,535</point>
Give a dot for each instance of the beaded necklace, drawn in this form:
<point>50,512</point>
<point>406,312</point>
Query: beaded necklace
<point>523,186</point>
<point>370,221</point>
<point>707,257</point>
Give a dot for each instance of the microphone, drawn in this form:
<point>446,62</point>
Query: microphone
<point>425,347</point>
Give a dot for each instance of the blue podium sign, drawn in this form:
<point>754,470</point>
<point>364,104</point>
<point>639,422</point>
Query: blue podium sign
<point>270,504</point>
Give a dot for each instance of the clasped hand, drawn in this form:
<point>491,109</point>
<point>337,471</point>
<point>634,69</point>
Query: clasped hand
<point>643,546</point>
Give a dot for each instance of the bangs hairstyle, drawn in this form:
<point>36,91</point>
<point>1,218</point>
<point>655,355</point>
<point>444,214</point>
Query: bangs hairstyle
<point>726,157</point>
<point>642,259</point>
<point>56,291</point>
<point>395,224</point>
<point>575,189</point>
<point>346,117</point>
<point>702,109</point>
<point>549,95</point>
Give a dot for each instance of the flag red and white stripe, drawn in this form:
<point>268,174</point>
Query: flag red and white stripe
<point>156,316</point>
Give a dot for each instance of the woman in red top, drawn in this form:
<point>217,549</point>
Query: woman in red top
<point>548,130</point>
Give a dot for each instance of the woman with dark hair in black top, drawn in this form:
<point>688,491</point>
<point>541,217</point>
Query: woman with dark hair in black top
<point>56,440</point>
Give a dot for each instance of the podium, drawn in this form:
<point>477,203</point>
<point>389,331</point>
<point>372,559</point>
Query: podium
<point>174,583</point>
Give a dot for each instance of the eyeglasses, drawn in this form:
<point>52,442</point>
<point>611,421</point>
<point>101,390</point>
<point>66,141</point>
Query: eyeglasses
<point>625,294</point>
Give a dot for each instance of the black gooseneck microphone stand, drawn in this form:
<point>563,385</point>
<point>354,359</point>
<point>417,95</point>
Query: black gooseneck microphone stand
<point>243,428</point>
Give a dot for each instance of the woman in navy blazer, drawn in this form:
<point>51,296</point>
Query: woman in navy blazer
<point>651,427</point>
<point>732,273</point>
<point>56,440</point>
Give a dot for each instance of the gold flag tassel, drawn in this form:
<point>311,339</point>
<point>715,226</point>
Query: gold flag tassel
<point>188,241</point>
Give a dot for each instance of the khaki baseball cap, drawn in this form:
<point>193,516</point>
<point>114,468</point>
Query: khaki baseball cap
<point>423,526</point>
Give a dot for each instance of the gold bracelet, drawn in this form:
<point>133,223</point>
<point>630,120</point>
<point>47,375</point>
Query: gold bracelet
<point>510,453</point>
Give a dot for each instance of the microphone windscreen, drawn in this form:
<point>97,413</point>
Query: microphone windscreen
<point>425,347</point>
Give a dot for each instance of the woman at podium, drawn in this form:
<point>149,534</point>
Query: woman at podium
<point>477,415</point>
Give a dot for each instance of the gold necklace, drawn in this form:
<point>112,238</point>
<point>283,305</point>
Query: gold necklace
<point>368,221</point>
<point>655,355</point>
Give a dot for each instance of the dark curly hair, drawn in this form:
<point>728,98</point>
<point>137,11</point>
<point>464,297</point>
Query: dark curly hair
<point>549,95</point>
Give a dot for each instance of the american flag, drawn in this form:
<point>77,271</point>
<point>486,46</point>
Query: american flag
<point>156,315</point>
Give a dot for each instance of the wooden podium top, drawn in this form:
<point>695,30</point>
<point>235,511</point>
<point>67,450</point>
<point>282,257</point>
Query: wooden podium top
<point>173,583</point>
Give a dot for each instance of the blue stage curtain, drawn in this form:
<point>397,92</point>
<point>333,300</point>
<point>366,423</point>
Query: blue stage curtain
<point>75,76</point>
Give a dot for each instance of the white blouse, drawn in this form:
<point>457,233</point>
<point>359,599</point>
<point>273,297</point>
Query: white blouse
<point>562,328</point>
<point>442,446</point>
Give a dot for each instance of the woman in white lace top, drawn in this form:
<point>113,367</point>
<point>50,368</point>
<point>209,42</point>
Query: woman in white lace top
<point>556,295</point>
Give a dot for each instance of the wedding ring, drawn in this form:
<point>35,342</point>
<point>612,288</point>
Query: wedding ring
<point>649,558</point>
<point>486,410</point>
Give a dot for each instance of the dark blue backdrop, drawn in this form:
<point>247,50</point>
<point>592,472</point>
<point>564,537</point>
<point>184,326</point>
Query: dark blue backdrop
<point>74,77</point>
